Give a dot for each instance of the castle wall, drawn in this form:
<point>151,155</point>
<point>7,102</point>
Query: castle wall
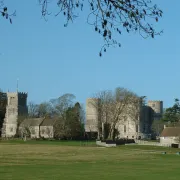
<point>133,125</point>
<point>157,107</point>
<point>91,115</point>
<point>146,119</point>
<point>128,129</point>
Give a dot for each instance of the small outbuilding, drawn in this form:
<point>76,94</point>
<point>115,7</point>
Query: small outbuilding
<point>170,136</point>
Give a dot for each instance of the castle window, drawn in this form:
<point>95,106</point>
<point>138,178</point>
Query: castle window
<point>153,105</point>
<point>136,128</point>
<point>144,128</point>
<point>124,128</point>
<point>11,129</point>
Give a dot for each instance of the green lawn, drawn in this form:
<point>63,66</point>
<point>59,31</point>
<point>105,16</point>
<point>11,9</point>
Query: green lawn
<point>73,161</point>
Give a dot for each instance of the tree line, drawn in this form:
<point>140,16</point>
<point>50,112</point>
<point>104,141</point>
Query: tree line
<point>68,114</point>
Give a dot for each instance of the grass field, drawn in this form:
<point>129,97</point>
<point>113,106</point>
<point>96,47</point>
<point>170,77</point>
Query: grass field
<point>72,161</point>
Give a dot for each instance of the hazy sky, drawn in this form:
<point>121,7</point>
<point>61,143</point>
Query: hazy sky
<point>51,60</point>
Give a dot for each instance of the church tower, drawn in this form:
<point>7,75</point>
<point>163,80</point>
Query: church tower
<point>16,106</point>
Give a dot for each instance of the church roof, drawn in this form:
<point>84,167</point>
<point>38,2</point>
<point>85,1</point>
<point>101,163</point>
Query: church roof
<point>32,122</point>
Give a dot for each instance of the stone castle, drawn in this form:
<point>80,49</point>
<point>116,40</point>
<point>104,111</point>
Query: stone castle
<point>128,128</point>
<point>12,105</point>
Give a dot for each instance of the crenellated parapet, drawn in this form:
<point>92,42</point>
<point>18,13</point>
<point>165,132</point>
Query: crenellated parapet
<point>157,107</point>
<point>155,101</point>
<point>23,94</point>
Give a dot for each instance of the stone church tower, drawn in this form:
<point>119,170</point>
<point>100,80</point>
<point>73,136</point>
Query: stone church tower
<point>16,106</point>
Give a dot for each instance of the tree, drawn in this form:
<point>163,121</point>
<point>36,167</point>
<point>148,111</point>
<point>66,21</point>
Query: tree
<point>4,11</point>
<point>60,108</point>
<point>32,110</point>
<point>157,127</point>
<point>108,17</point>
<point>61,104</point>
<point>113,108</point>
<point>102,104</point>
<point>44,109</point>
<point>70,125</point>
<point>172,114</point>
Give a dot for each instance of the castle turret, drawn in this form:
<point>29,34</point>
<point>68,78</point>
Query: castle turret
<point>157,107</point>
<point>92,115</point>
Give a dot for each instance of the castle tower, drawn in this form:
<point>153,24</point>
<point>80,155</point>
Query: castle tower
<point>16,106</point>
<point>157,107</point>
<point>91,115</point>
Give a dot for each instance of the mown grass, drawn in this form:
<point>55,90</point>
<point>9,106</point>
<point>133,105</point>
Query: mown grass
<point>50,142</point>
<point>73,161</point>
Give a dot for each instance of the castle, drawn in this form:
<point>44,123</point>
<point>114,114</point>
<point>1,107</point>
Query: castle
<point>127,128</point>
<point>12,105</point>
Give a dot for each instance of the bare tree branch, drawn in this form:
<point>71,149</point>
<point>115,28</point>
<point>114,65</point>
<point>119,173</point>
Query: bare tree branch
<point>110,17</point>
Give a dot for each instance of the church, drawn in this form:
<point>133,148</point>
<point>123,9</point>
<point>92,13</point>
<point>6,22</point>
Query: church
<point>12,105</point>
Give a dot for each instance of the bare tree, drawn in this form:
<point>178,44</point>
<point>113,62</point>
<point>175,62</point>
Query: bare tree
<point>44,109</point>
<point>59,128</point>
<point>61,104</point>
<point>103,100</point>
<point>24,131</point>
<point>109,17</point>
<point>4,12</point>
<point>32,109</point>
<point>112,109</point>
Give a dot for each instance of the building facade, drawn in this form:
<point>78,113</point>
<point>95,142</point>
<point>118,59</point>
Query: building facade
<point>170,135</point>
<point>132,127</point>
<point>37,128</point>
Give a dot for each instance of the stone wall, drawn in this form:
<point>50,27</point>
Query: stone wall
<point>91,115</point>
<point>169,140</point>
<point>133,126</point>
<point>157,107</point>
<point>35,132</point>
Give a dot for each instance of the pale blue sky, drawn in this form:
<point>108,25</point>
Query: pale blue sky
<point>51,60</point>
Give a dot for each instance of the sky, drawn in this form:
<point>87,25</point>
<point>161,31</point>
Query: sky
<point>50,60</point>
